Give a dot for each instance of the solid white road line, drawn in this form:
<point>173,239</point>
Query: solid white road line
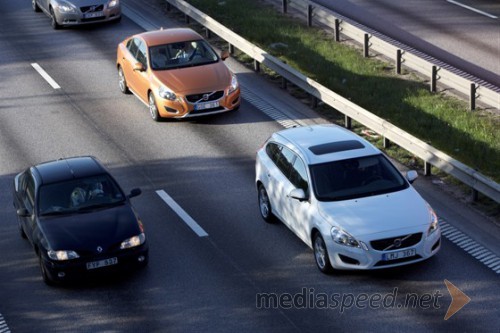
<point>182,213</point>
<point>45,75</point>
<point>472,8</point>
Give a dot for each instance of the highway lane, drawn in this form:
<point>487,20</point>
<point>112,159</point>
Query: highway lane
<point>463,38</point>
<point>192,284</point>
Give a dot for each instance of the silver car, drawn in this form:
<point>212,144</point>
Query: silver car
<point>75,12</point>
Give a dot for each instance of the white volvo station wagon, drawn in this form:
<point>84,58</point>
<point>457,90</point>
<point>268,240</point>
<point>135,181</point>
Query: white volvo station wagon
<point>345,199</point>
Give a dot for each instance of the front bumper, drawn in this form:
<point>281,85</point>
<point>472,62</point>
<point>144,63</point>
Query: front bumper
<point>76,269</point>
<point>79,18</point>
<point>343,257</point>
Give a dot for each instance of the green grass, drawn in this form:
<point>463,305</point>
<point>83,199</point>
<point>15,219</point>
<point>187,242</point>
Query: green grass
<point>436,118</point>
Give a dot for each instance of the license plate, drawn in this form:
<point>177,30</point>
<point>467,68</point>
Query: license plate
<point>102,263</point>
<point>93,15</point>
<point>207,105</point>
<point>399,254</point>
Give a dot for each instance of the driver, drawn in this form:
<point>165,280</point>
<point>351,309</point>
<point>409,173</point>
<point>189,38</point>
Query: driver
<point>186,51</point>
<point>96,190</point>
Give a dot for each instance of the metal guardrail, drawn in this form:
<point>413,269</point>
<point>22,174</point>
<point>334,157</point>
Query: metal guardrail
<point>429,154</point>
<point>475,89</point>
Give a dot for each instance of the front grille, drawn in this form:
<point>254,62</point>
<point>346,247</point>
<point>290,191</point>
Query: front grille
<point>397,261</point>
<point>211,96</point>
<point>91,9</point>
<point>405,241</point>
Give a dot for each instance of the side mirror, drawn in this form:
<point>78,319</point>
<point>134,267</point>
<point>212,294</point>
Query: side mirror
<point>224,55</point>
<point>135,192</point>
<point>411,176</point>
<point>298,194</point>
<point>138,67</point>
<point>23,212</point>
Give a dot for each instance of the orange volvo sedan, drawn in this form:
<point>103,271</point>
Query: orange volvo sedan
<point>177,74</point>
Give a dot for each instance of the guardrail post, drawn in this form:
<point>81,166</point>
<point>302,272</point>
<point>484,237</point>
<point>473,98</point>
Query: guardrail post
<point>386,142</point>
<point>208,33</point>
<point>399,56</point>
<point>366,45</point>
<point>472,97</point>
<point>475,195</point>
<point>284,82</point>
<point>434,78</point>
<point>169,6</point>
<point>284,5</point>
<point>314,102</point>
<point>309,15</point>
<point>186,18</point>
<point>231,48</point>
<point>427,168</point>
<point>337,30</point>
<point>256,66</point>
<point>348,122</point>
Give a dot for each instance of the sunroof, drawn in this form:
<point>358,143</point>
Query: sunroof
<point>335,147</point>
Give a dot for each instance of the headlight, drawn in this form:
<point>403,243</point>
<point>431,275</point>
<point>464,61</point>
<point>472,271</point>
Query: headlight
<point>166,93</point>
<point>66,8</point>
<point>62,255</point>
<point>133,241</point>
<point>434,221</point>
<point>343,238</point>
<point>113,3</point>
<point>234,84</point>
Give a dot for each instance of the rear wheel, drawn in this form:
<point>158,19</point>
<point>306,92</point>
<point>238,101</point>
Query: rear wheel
<point>122,81</point>
<point>153,110</point>
<point>321,254</point>
<point>53,21</point>
<point>35,6</point>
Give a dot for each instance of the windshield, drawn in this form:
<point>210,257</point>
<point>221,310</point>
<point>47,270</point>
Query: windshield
<point>181,54</point>
<point>356,178</point>
<point>79,195</point>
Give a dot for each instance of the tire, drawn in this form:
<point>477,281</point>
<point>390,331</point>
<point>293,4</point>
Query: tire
<point>265,208</point>
<point>122,81</point>
<point>321,254</point>
<point>35,6</point>
<point>45,275</point>
<point>153,109</point>
<point>53,21</point>
<point>21,230</point>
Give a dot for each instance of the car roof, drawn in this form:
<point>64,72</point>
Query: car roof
<point>325,143</point>
<point>167,36</point>
<point>68,168</point>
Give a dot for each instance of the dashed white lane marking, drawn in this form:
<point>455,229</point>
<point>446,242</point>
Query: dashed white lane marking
<point>472,9</point>
<point>182,213</point>
<point>485,256</point>
<point>46,76</point>
<point>3,325</point>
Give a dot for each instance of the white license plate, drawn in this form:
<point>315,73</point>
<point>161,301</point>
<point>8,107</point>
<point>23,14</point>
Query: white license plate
<point>93,15</point>
<point>102,263</point>
<point>207,105</point>
<point>399,254</point>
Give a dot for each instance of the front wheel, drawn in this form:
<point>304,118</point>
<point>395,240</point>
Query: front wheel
<point>122,82</point>
<point>153,109</point>
<point>35,6</point>
<point>53,20</point>
<point>321,254</point>
<point>265,205</point>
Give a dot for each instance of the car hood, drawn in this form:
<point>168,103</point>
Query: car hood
<point>378,214</point>
<point>88,230</point>
<point>80,3</point>
<point>196,79</point>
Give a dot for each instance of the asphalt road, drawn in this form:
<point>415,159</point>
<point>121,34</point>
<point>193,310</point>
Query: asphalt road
<point>462,33</point>
<point>192,283</point>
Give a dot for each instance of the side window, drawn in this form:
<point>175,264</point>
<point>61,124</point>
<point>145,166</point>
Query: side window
<point>29,194</point>
<point>285,161</point>
<point>298,175</point>
<point>273,151</point>
<point>133,46</point>
<point>141,54</point>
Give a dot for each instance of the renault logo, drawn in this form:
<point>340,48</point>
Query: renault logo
<point>99,249</point>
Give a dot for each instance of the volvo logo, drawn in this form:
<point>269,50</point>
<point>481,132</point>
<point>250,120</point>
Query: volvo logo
<point>205,97</point>
<point>397,242</point>
<point>99,249</point>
